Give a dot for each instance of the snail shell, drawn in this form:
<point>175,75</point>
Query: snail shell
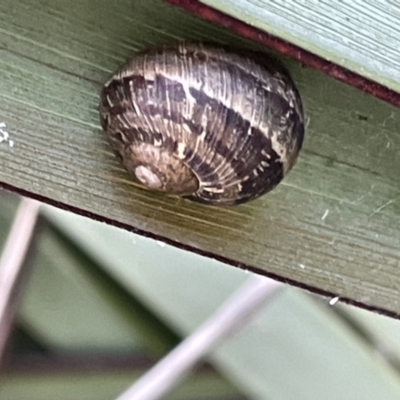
<point>204,122</point>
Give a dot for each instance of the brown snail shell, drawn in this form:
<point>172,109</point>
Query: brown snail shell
<point>204,122</point>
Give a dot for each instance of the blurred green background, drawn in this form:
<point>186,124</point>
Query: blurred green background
<point>102,305</point>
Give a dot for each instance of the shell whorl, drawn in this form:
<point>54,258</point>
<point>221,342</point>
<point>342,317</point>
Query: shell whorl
<point>158,169</point>
<point>204,122</point>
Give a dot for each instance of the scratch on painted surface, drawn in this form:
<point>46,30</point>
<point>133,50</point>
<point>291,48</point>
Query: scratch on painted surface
<point>379,209</point>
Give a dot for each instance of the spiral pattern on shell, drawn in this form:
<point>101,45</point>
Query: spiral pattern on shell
<point>204,122</point>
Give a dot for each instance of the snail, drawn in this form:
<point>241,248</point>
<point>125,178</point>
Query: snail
<point>204,122</point>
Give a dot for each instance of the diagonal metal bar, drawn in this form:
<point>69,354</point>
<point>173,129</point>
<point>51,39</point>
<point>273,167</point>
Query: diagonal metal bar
<point>232,315</point>
<point>12,265</point>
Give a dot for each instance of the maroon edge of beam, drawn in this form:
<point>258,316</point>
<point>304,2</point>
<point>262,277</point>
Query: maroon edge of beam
<point>192,249</point>
<point>288,49</point>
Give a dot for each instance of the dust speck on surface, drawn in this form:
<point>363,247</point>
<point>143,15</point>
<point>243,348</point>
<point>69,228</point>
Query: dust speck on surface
<point>325,215</point>
<point>302,266</point>
<point>4,135</point>
<point>333,301</point>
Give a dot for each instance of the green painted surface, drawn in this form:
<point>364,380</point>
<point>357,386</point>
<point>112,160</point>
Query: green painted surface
<point>359,35</point>
<point>337,214</point>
